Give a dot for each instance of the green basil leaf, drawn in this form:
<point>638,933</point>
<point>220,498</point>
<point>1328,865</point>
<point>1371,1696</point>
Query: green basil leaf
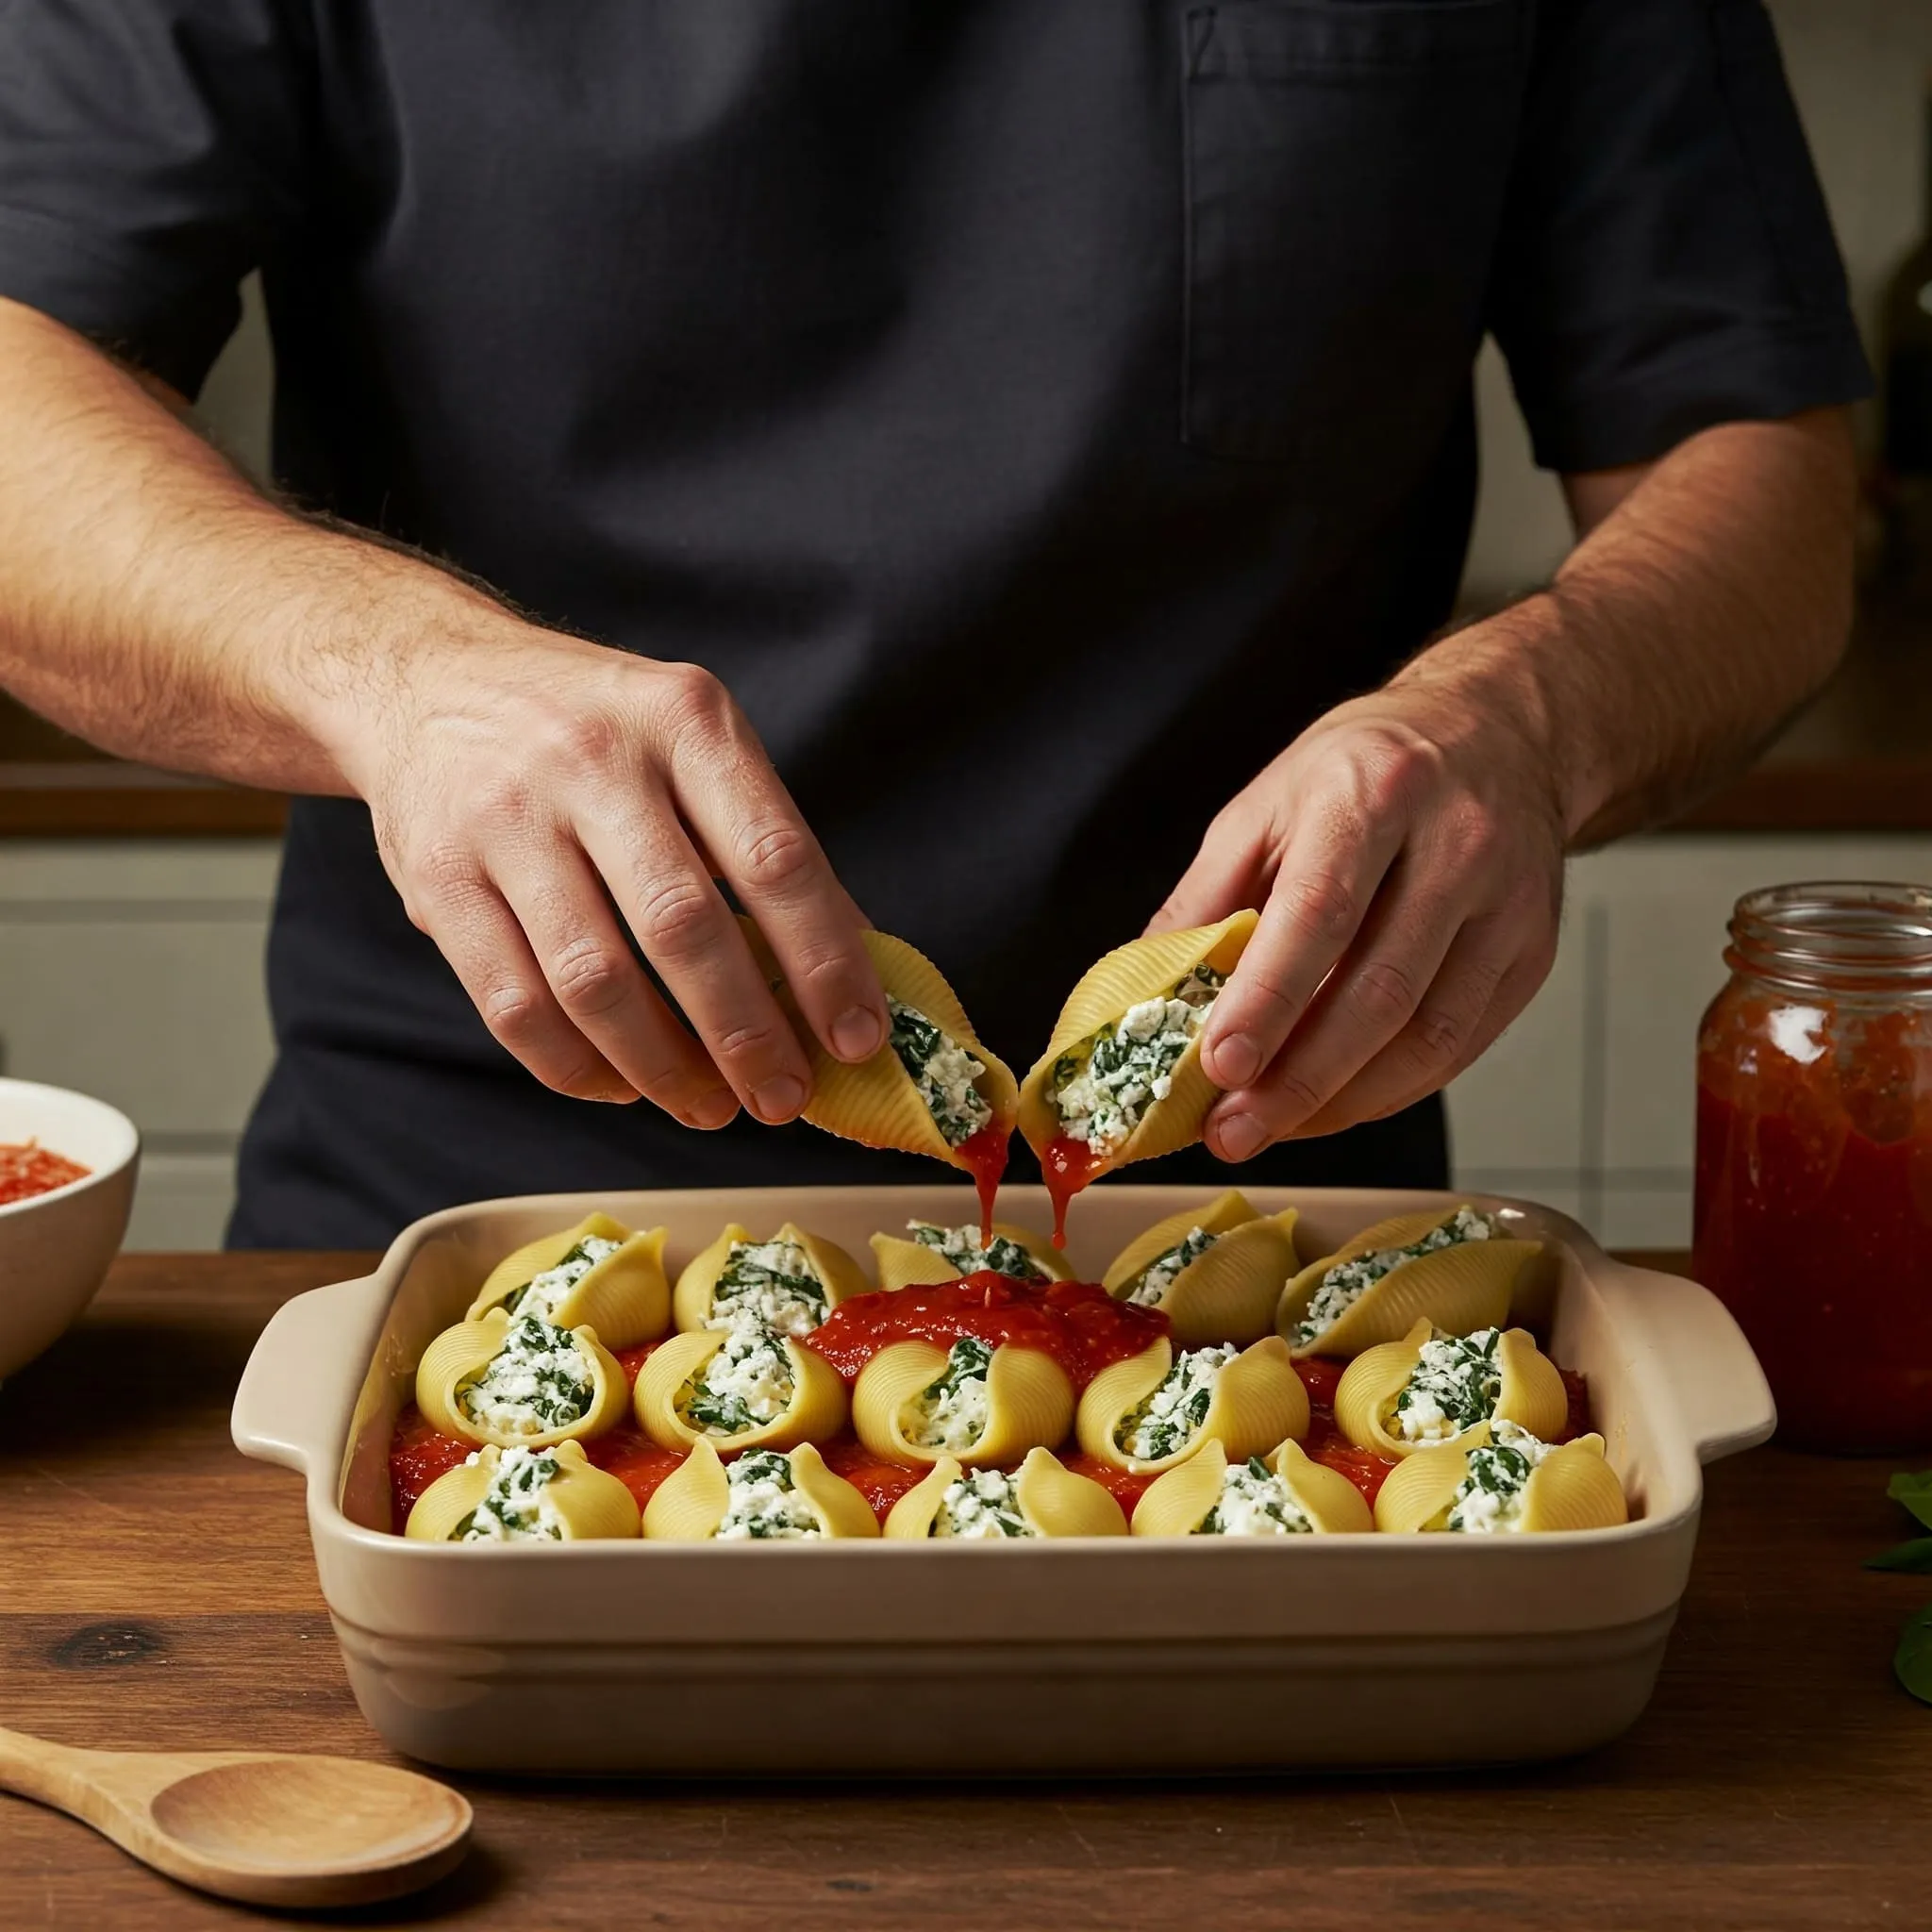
<point>1914,1557</point>
<point>1913,1660</point>
<point>1915,1493</point>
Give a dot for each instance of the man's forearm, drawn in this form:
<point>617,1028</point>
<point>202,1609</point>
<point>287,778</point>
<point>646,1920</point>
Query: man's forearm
<point>155,604</point>
<point>1682,630</point>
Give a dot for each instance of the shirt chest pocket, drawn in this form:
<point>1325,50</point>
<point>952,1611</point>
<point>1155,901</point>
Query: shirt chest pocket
<point>1346,167</point>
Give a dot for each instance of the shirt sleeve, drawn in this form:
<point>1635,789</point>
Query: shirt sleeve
<point>1666,261</point>
<point>150,151</point>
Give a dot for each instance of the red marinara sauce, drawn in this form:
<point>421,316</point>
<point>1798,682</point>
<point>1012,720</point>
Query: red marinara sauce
<point>1813,1215</point>
<point>1077,1323</point>
<point>418,1453</point>
<point>28,1168</point>
<point>881,1483</point>
<point>983,1157</point>
<point>1067,1166</point>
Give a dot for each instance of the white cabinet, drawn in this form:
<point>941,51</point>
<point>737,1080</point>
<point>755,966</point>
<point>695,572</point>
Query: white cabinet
<point>132,968</point>
<point>1587,1101</point>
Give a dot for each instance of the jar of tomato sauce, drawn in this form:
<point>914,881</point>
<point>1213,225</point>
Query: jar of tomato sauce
<point>1813,1218</point>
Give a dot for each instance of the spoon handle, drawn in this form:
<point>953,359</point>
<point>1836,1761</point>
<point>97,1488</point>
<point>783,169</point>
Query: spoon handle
<point>53,1773</point>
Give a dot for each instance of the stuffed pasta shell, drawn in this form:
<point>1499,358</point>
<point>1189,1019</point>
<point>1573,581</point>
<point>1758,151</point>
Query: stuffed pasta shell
<point>935,1254</point>
<point>785,1286</point>
<point>1456,1269</point>
<point>736,1388</point>
<point>1215,1272</point>
<point>1282,1494</point>
<point>1431,1388</point>
<point>1042,1497</point>
<point>1121,1079</point>
<point>1500,1480</point>
<point>597,1274</point>
<point>1158,1407</point>
<point>765,1495</point>
<point>518,1381</point>
<point>975,1402</point>
<point>524,1495</point>
<point>933,1088</point>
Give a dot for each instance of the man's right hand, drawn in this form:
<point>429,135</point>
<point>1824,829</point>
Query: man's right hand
<point>534,795</point>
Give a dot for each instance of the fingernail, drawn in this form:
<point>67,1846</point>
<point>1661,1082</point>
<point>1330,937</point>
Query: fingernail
<point>1237,1062</point>
<point>713,1109</point>
<point>857,1035</point>
<point>778,1099</point>
<point>1238,1136</point>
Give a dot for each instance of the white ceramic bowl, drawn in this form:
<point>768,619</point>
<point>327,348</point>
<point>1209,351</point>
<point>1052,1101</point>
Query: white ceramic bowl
<point>55,1247</point>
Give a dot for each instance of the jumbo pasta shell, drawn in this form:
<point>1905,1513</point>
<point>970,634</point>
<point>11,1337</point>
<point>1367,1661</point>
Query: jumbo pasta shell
<point>1177,1502</point>
<point>877,1103</point>
<point>691,1302</point>
<point>1053,1501</point>
<point>625,1296</point>
<point>1573,1487</point>
<point>1029,1403</point>
<point>1229,1294</point>
<point>689,1505</point>
<point>1418,1493</point>
<point>840,1509</point>
<point>1532,1394</point>
<point>902,1263</point>
<point>589,1503</point>
<point>1123,978</point>
<point>1259,1401</point>
<point>1459,1289</point>
<point>1056,1502</point>
<point>465,1351</point>
<point>815,1412</point>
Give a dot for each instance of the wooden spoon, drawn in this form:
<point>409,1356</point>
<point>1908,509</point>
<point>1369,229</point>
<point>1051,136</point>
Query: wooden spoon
<point>269,1827</point>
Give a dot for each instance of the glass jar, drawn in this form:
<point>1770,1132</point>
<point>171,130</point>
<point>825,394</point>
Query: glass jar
<point>1813,1218</point>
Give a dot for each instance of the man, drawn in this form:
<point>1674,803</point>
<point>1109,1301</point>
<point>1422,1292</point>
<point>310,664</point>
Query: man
<point>992,463</point>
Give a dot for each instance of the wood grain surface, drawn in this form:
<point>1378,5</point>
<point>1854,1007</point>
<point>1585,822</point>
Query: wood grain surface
<point>157,1591</point>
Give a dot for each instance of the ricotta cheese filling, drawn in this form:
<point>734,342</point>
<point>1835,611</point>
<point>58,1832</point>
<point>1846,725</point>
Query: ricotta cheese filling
<point>746,1384</point>
<point>942,1070</point>
<point>763,1506</point>
<point>1489,1501</point>
<point>1255,1502</point>
<point>1348,1281</point>
<point>1456,1383</point>
<point>1164,1269</point>
<point>544,1293</point>
<point>516,1507</point>
<point>1165,1421</point>
<point>539,1380</point>
<point>962,1249</point>
<point>981,1503</point>
<point>1101,1091</point>
<point>768,1286</point>
<point>951,1411</point>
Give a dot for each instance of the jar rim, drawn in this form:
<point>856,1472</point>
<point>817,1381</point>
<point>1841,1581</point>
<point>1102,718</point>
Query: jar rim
<point>1851,934</point>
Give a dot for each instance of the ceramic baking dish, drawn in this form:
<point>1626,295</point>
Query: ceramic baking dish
<point>1097,1655</point>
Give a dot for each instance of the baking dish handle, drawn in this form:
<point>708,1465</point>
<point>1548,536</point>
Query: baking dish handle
<point>285,1411</point>
<point>1719,1392</point>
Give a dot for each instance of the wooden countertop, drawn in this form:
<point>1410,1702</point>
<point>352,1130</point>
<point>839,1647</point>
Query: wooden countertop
<point>157,1589</point>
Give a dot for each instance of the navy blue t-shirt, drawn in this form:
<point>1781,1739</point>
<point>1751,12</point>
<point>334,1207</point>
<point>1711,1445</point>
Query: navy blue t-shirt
<point>1037,411</point>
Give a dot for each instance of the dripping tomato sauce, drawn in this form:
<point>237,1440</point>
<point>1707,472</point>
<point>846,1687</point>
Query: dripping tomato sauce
<point>1066,1166</point>
<point>28,1168</point>
<point>983,1157</point>
<point>1077,1323</point>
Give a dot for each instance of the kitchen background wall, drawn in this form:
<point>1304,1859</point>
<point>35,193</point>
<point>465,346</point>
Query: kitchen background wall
<point>132,968</point>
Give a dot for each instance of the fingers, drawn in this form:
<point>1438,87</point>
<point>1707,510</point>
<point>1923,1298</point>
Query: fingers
<point>1488,976</point>
<point>1334,862</point>
<point>739,812</point>
<point>598,987</point>
<point>1228,872</point>
<point>451,901</point>
<point>669,900</point>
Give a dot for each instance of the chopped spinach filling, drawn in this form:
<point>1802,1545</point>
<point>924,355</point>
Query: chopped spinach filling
<point>1348,1281</point>
<point>746,1384</point>
<point>770,1286</point>
<point>1254,1502</point>
<point>1166,1420</point>
<point>1161,1274</point>
<point>1489,1498</point>
<point>950,1412</point>
<point>515,1508</point>
<point>962,1249</point>
<point>544,1293</point>
<point>1456,1383</point>
<point>764,1504</point>
<point>981,1503</point>
<point>942,1070</point>
<point>538,1380</point>
<point>1104,1087</point>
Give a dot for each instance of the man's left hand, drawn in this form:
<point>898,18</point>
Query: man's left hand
<point>1406,856</point>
